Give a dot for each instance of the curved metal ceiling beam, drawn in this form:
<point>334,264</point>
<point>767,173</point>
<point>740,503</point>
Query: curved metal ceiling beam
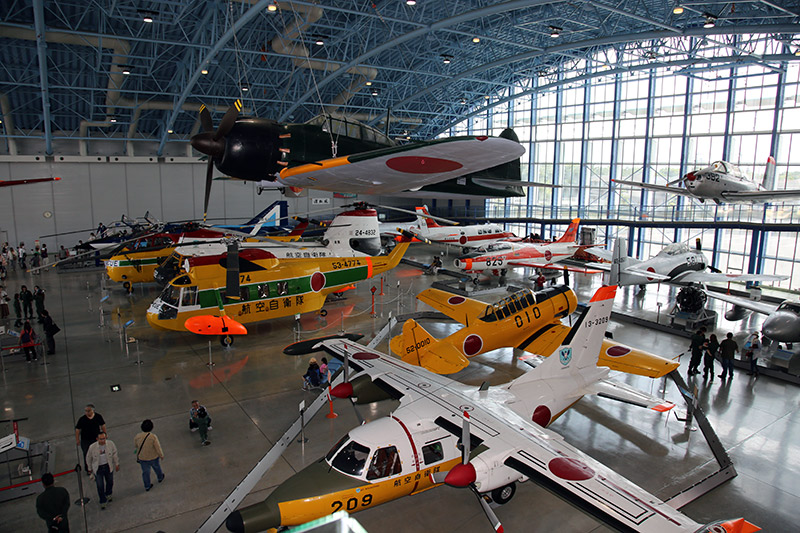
<point>441,24</point>
<point>634,68</point>
<point>244,19</point>
<point>603,41</point>
<point>41,50</point>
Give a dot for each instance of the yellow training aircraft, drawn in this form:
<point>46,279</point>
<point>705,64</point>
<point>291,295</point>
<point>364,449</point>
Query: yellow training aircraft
<point>526,320</point>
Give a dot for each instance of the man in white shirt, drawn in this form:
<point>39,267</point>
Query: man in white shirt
<point>103,460</point>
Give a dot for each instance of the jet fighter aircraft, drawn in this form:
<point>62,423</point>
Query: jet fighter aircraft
<point>469,236</point>
<point>676,263</point>
<point>486,439</point>
<point>723,182</point>
<point>498,257</point>
<point>526,320</point>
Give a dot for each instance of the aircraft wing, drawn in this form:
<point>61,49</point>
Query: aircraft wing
<point>605,267</point>
<point>458,308</point>
<point>622,392</point>
<point>602,253</point>
<point>649,274</point>
<point>654,187</point>
<point>537,453</point>
<point>495,183</point>
<point>758,307</point>
<point>711,277</point>
<point>761,196</point>
<point>532,263</point>
<point>401,168</point>
<point>614,355</point>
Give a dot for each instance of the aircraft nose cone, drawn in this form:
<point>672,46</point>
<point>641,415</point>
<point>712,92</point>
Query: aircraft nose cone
<point>781,326</point>
<point>690,176</point>
<point>205,144</point>
<point>234,522</point>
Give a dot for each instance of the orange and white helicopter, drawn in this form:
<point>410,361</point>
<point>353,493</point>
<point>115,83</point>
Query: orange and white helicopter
<point>486,439</point>
<point>497,258</point>
<point>525,320</point>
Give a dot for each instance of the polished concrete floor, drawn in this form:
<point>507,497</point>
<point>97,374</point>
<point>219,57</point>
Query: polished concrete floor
<point>254,390</point>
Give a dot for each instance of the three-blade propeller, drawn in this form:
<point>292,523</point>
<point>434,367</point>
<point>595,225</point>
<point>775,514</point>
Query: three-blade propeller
<point>464,475</point>
<point>212,143</point>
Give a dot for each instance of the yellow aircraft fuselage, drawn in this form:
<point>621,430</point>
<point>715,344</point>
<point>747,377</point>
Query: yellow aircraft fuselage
<point>268,287</point>
<point>525,320</point>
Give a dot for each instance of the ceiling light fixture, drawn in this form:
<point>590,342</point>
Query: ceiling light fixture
<point>272,7</point>
<point>147,16</point>
<point>446,59</point>
<point>463,101</point>
<point>555,31</point>
<point>204,71</point>
<point>476,40</point>
<point>126,70</point>
<point>710,22</point>
<point>245,88</point>
<point>375,92</point>
<point>112,119</point>
<point>487,97</point>
<point>411,2</point>
<point>677,10</point>
<point>369,83</point>
<point>169,131</point>
<point>319,40</point>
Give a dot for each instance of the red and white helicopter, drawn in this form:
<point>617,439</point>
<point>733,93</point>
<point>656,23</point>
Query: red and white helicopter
<point>486,439</point>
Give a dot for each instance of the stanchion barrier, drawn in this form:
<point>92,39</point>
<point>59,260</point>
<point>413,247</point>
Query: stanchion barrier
<point>32,481</point>
<point>331,414</point>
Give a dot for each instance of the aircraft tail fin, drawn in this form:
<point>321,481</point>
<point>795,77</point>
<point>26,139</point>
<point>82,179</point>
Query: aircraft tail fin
<point>276,214</point>
<point>581,347</point>
<point>769,175</point>
<point>425,221</point>
<point>618,275</point>
<point>416,346</point>
<point>571,235</point>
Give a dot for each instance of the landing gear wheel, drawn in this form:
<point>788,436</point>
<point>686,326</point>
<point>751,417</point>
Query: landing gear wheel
<point>503,272</point>
<point>323,312</point>
<point>504,494</point>
<point>127,286</point>
<point>226,340</point>
<point>475,281</point>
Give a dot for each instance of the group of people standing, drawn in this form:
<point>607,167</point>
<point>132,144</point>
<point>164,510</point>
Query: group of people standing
<point>707,349</point>
<point>24,303</point>
<point>11,257</point>
<point>101,461</point>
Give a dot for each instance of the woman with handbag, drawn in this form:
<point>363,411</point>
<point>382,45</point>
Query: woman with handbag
<point>148,454</point>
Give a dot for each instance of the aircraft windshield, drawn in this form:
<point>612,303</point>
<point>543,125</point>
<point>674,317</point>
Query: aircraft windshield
<point>351,459</point>
<point>170,295</point>
<point>790,306</point>
<point>385,462</point>
<point>499,247</point>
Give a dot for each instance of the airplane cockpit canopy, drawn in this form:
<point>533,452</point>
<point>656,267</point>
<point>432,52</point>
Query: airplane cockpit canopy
<point>350,128</point>
<point>499,247</point>
<point>675,249</point>
<point>724,167</point>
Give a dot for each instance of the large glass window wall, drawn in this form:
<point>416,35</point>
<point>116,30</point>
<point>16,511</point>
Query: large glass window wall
<point>626,120</point>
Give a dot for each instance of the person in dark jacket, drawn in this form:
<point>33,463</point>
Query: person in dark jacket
<point>38,299</point>
<point>17,310</point>
<point>312,377</point>
<point>50,329</point>
<point>52,505</point>
<point>710,349</point>
<point>26,297</point>
<point>697,350</point>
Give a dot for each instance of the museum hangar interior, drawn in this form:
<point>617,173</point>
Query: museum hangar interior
<point>120,117</point>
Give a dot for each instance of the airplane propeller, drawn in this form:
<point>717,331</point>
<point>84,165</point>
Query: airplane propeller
<point>212,143</point>
<point>464,475</point>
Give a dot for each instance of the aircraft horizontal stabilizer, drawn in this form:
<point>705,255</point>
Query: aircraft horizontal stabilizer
<point>459,308</point>
<point>418,347</point>
<point>622,392</point>
<point>723,277</point>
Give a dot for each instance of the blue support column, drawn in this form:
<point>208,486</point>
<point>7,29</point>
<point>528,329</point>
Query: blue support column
<point>648,148</point>
<point>680,200</point>
<point>587,90</point>
<point>612,171</point>
<point>557,151</point>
